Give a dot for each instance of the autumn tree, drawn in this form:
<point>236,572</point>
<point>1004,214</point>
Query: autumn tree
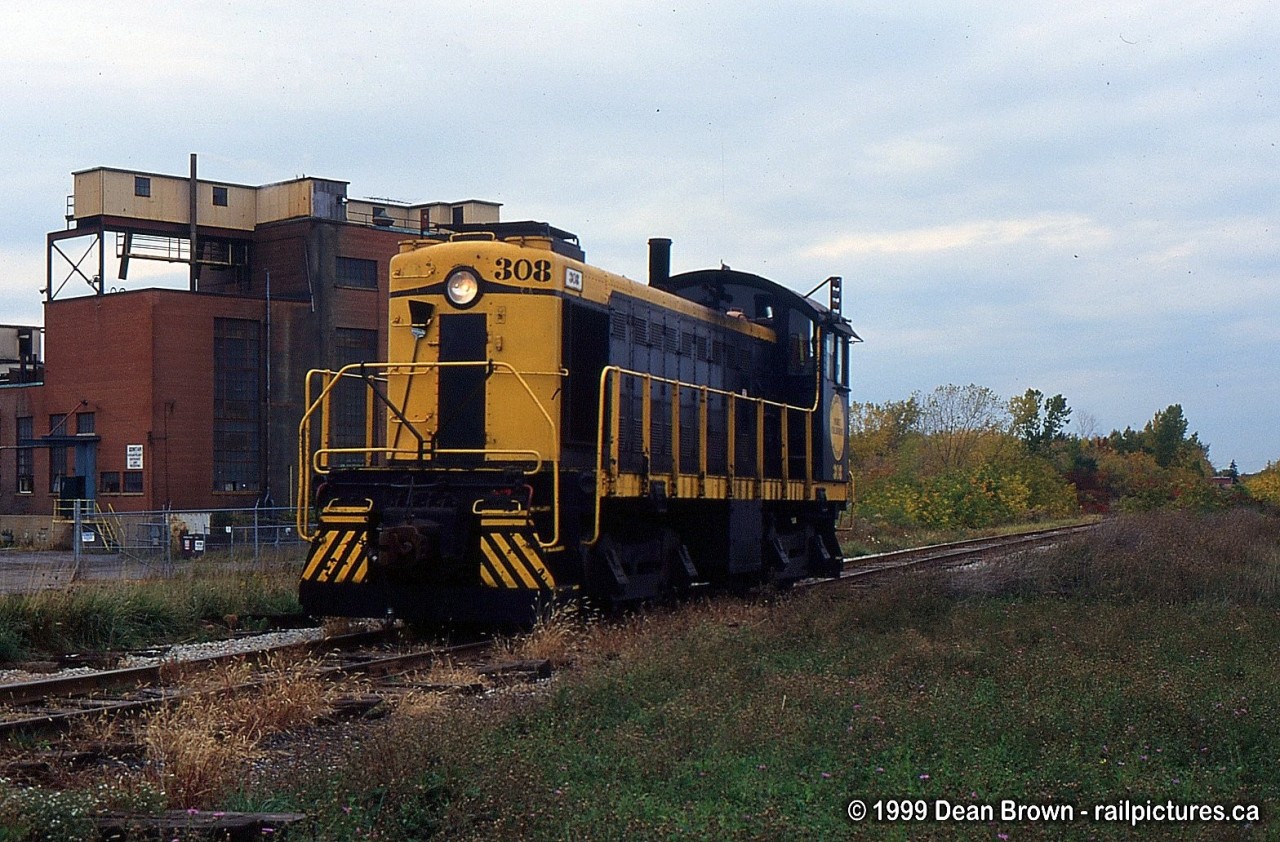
<point>1265,485</point>
<point>961,423</point>
<point>878,434</point>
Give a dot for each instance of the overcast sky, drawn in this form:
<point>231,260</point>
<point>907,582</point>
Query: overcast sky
<point>1075,197</point>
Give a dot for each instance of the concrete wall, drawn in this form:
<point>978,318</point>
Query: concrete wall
<point>34,532</point>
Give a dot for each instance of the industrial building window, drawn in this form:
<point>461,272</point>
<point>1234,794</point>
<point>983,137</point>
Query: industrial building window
<point>356,272</point>
<point>85,422</point>
<point>237,406</point>
<point>133,482</point>
<point>26,457</point>
<point>57,454</point>
<point>350,405</point>
<point>109,482</point>
<point>141,186</point>
<point>220,196</point>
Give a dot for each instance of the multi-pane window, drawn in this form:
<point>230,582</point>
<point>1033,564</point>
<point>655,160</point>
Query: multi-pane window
<point>26,457</point>
<point>109,482</point>
<point>133,482</point>
<point>237,406</point>
<point>220,196</point>
<point>85,422</point>
<point>356,272</point>
<point>350,409</point>
<point>141,186</point>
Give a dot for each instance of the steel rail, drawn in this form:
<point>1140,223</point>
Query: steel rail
<point>870,565</point>
<point>79,689</point>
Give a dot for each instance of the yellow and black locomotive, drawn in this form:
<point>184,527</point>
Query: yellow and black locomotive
<point>544,428</point>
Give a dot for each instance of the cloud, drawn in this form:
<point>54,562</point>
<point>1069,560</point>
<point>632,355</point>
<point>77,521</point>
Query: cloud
<point>1078,198</point>
<point>22,276</point>
<point>1054,231</point>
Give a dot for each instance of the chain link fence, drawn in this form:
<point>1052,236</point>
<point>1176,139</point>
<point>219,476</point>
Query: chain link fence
<point>84,543</point>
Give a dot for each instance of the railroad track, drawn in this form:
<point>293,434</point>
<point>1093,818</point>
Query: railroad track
<point>952,554</point>
<point>51,704</point>
<point>55,703</point>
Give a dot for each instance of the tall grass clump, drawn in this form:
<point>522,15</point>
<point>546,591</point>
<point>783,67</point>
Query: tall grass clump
<point>117,615</point>
<point>558,635</point>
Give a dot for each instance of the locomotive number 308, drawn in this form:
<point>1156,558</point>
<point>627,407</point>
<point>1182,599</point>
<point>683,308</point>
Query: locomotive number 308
<point>523,270</point>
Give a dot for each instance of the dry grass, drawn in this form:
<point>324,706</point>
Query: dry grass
<point>572,635</point>
<point>559,636</point>
<point>446,673</point>
<point>197,749</point>
<point>419,704</point>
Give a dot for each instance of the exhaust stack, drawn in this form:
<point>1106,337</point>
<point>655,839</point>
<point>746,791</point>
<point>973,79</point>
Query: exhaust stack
<point>659,262</point>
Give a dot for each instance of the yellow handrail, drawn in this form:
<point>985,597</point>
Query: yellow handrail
<point>610,396</point>
<point>317,463</point>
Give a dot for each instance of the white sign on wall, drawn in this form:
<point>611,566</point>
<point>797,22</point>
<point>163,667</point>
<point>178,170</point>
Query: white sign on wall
<point>133,457</point>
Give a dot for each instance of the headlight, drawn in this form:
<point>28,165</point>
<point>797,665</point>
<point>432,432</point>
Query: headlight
<point>463,287</point>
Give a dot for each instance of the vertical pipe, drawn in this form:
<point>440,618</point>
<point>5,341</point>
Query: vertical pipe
<point>759,447</point>
<point>786,452</point>
<point>615,397</point>
<point>303,501</point>
<point>76,527</point>
<point>675,441</point>
<point>370,429</point>
<point>731,432</point>
<point>702,440</point>
<point>324,417</point>
<point>191,216</point>
<point>810,420</point>
<point>265,470</point>
<point>646,429</point>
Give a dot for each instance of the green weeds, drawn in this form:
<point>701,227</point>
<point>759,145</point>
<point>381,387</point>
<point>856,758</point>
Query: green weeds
<point>117,615</point>
<point>1136,663</point>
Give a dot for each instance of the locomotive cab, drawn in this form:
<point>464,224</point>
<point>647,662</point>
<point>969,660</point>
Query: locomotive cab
<point>810,358</point>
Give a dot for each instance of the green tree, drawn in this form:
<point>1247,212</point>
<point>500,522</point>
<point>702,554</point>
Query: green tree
<point>1165,438</point>
<point>1166,433</point>
<point>1039,421</point>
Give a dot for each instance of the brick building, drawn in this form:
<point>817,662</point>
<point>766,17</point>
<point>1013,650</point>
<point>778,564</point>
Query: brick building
<point>190,398</point>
